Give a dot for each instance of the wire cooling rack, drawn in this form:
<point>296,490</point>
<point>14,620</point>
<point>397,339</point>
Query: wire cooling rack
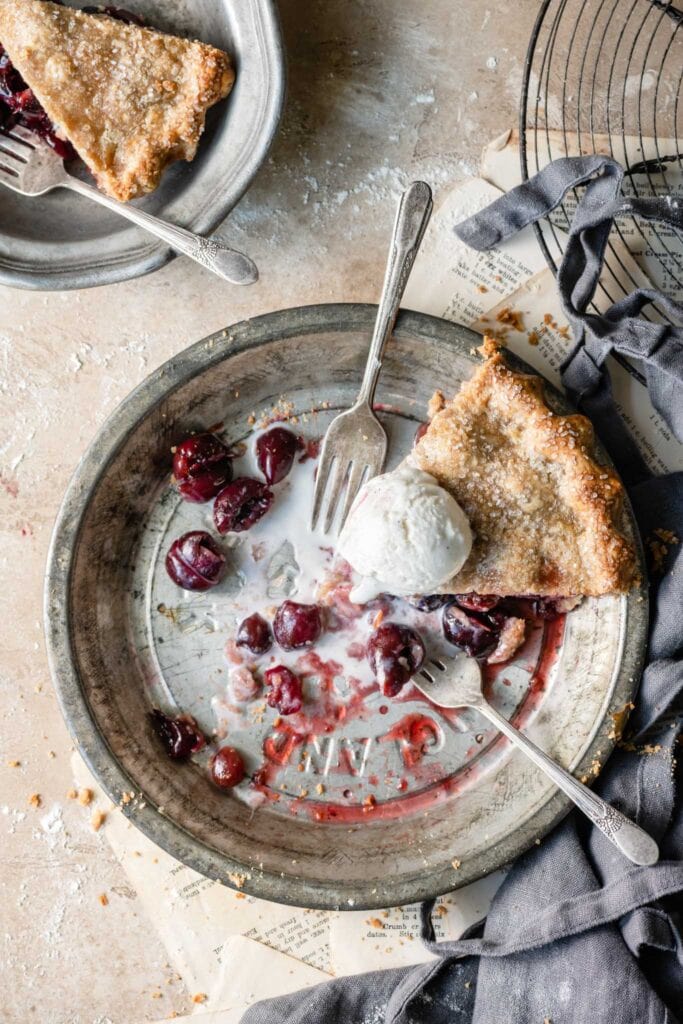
<point>605,76</point>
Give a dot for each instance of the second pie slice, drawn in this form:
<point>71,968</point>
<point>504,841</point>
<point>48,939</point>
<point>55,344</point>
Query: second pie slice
<point>546,516</point>
<point>130,100</point>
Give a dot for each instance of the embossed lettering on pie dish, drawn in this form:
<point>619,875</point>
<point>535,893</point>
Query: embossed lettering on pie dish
<point>545,514</point>
<point>130,100</point>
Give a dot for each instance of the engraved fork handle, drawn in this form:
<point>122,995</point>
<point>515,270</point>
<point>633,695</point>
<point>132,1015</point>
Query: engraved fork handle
<point>633,842</point>
<point>229,264</point>
<point>412,217</point>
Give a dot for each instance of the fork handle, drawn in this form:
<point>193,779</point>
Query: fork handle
<point>412,217</point>
<point>634,843</point>
<point>228,263</point>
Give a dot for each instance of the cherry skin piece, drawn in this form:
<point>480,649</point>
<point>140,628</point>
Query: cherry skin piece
<point>180,736</point>
<point>227,768</point>
<point>275,453</point>
<point>285,690</point>
<point>297,625</point>
<point>202,466</point>
<point>550,608</point>
<point>476,602</point>
<point>254,634</point>
<point>195,562</point>
<point>470,633</point>
<point>241,504</point>
<point>420,433</point>
<point>395,653</point>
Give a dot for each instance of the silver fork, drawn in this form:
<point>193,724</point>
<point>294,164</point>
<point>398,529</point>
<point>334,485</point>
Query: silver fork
<point>30,167</point>
<point>355,444</point>
<point>456,683</point>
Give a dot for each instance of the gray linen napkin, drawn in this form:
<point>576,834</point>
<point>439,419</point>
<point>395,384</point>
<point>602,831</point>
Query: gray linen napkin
<point>576,933</point>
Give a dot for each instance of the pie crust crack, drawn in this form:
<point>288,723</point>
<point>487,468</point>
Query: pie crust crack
<point>547,517</point>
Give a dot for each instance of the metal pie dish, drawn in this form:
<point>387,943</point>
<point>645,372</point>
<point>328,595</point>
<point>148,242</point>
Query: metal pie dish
<point>59,241</point>
<point>104,568</point>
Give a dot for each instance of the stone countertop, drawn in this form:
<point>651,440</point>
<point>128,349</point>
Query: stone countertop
<point>379,93</point>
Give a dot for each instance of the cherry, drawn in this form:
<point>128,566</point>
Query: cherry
<point>202,465</point>
<point>474,635</point>
<point>285,690</point>
<point>227,767</point>
<point>476,602</point>
<point>241,504</point>
<point>195,562</point>
<point>180,736</point>
<point>275,453</point>
<point>395,653</point>
<point>297,625</point>
<point>18,105</point>
<point>254,633</point>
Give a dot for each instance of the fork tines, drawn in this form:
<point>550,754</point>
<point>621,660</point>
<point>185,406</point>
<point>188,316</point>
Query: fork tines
<point>333,478</point>
<point>15,148</point>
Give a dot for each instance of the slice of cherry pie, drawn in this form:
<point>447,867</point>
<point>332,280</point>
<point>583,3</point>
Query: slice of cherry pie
<point>129,99</point>
<point>545,514</point>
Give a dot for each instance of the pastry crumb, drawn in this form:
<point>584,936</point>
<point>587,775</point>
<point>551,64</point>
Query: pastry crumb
<point>238,879</point>
<point>97,820</point>
<point>104,899</point>
<point>14,764</point>
<point>511,317</point>
<point>35,800</point>
<point>455,863</point>
<point>199,997</point>
<point>85,796</point>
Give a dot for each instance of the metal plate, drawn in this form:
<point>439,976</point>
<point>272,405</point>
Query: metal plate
<point>61,241</point>
<point>112,653</point>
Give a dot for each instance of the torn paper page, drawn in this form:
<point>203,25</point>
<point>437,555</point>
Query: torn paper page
<point>639,253</point>
<point>258,972</point>
<point>373,940</point>
<point>510,292</point>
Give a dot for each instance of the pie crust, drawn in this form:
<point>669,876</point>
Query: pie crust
<point>546,516</point>
<point>130,100</point>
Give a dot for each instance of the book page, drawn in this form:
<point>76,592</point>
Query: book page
<point>258,972</point>
<point>640,254</point>
<point>372,940</point>
<point>510,293</point>
<point>195,916</point>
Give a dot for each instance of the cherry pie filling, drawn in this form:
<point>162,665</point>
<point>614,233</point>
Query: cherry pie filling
<point>295,631</point>
<point>19,106</point>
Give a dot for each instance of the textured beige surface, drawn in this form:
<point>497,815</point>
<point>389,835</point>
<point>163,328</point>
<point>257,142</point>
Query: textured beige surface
<point>379,92</point>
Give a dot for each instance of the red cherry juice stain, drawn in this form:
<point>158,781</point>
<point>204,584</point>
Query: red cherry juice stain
<point>10,486</point>
<point>415,734</point>
<point>311,449</point>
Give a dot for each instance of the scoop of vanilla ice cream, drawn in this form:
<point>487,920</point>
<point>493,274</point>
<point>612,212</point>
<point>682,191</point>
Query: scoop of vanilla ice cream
<point>404,535</point>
